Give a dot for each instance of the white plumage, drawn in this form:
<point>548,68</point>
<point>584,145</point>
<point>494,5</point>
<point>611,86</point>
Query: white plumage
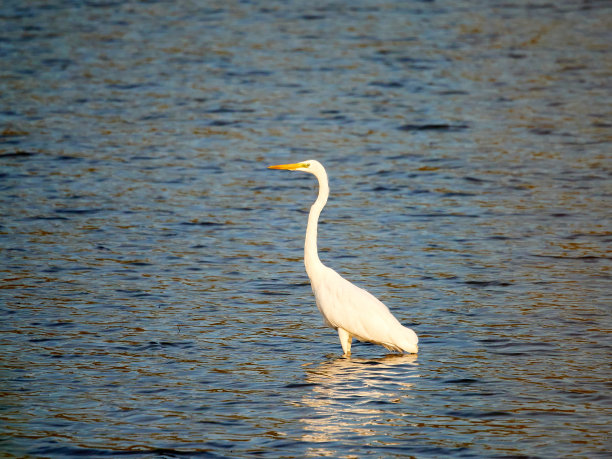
<point>352,311</point>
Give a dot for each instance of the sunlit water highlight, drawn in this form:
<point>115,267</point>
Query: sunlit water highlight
<point>153,296</point>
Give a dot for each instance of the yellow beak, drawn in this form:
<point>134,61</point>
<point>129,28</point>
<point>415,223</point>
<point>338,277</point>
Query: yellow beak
<point>290,167</point>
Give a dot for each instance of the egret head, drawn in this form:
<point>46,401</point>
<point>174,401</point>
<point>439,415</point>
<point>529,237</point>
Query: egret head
<point>312,165</point>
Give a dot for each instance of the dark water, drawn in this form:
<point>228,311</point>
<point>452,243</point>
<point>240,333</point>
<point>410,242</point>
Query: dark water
<point>153,297</point>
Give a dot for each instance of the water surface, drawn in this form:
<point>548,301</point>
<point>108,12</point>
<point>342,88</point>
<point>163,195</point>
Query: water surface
<point>154,301</point>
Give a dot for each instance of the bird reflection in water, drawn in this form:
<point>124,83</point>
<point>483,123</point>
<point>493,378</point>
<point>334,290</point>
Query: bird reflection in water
<point>357,397</point>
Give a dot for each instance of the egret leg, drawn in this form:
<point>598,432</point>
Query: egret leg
<point>345,340</point>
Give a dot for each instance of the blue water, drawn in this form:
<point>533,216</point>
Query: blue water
<point>153,298</point>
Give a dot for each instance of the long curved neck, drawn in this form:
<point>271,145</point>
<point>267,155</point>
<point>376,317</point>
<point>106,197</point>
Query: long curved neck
<point>311,256</point>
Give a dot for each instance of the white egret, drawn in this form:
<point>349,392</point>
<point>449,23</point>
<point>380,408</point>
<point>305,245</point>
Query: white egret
<point>354,312</point>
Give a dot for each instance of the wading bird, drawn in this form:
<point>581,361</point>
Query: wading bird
<point>354,312</point>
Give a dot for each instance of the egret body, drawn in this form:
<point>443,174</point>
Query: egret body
<point>352,311</point>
